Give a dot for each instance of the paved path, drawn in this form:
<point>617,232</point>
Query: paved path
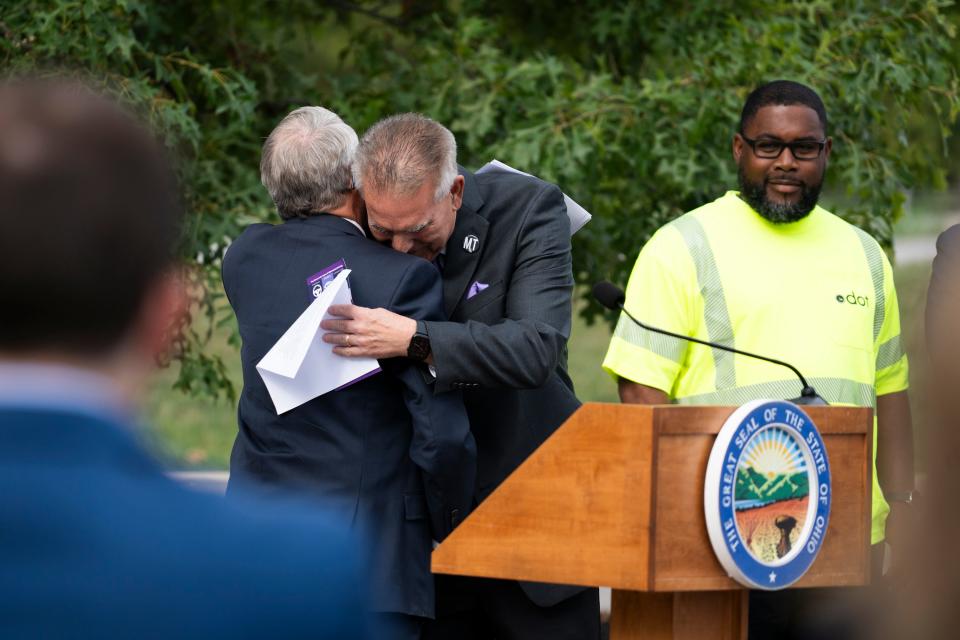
<point>915,249</point>
<point>211,481</point>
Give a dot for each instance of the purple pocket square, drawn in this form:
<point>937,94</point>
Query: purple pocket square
<point>476,288</point>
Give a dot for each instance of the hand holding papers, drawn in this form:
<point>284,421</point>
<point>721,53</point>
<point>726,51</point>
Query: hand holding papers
<point>577,214</point>
<point>301,366</point>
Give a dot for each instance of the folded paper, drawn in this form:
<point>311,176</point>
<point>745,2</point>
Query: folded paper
<point>577,214</point>
<point>301,366</point>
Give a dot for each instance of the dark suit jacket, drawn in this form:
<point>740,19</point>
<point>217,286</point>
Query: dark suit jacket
<point>387,451</point>
<point>506,346</point>
<point>95,542</point>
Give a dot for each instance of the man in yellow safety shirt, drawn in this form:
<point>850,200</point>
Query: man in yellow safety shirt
<point>768,271</point>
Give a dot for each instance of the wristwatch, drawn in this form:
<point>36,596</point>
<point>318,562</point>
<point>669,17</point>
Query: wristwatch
<point>419,348</point>
<point>905,497</point>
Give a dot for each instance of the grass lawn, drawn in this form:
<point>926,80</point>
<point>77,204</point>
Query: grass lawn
<point>197,433</point>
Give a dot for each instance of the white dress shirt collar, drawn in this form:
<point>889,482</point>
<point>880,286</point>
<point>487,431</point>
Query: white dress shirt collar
<point>357,225</point>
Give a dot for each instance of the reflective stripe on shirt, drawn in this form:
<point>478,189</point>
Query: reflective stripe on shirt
<point>715,314</point>
<point>836,391</point>
<point>663,346</point>
<point>875,263</point>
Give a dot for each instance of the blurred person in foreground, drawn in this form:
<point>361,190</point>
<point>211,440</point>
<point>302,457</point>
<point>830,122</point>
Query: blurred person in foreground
<point>923,603</point>
<point>95,541</point>
<point>396,459</point>
<point>502,243</point>
<point>767,270</point>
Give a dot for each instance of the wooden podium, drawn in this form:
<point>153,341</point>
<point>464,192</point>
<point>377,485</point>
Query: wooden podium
<point>615,498</point>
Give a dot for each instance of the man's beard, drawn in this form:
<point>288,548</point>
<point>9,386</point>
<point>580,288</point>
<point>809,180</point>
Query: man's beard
<point>755,194</point>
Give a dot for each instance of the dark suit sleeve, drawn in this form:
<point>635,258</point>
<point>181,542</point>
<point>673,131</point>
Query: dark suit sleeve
<point>442,444</point>
<point>523,349</point>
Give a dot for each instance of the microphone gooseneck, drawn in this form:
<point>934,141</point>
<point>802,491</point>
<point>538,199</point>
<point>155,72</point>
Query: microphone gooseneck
<point>612,297</point>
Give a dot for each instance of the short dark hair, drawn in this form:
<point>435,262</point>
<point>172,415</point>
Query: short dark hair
<point>782,92</point>
<point>89,217</point>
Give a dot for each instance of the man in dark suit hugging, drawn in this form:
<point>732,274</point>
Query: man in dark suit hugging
<point>397,459</point>
<point>502,242</point>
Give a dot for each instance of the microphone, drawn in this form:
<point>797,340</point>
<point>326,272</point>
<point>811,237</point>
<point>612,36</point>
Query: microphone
<point>612,297</point>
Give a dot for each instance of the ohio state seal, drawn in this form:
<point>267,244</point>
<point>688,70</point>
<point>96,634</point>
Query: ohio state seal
<point>767,494</point>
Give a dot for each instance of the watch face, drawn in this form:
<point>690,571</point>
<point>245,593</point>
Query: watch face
<point>419,347</point>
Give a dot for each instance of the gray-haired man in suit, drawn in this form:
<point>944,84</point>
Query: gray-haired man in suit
<point>395,458</point>
<point>502,243</point>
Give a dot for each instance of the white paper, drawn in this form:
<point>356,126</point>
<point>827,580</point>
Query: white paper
<point>577,214</point>
<point>301,366</point>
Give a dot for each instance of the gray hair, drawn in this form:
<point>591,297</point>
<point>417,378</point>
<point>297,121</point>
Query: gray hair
<point>306,162</point>
<point>400,154</point>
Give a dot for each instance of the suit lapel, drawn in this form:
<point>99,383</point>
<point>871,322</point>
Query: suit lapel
<point>461,263</point>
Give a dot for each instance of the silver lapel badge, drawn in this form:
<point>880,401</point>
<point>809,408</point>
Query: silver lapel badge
<point>470,243</point>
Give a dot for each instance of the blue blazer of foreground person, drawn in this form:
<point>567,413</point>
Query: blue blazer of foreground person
<point>397,460</point>
<point>95,541</point>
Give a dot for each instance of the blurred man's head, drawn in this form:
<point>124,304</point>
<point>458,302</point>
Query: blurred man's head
<point>89,220</point>
<point>782,150</point>
<point>306,163</point>
<point>406,170</point>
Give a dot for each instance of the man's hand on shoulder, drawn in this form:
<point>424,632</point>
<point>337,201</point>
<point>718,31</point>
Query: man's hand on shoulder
<point>372,333</point>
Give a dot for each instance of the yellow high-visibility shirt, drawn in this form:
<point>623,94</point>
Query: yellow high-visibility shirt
<point>817,293</point>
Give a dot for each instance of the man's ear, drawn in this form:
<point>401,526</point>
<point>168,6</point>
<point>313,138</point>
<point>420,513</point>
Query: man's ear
<point>738,144</point>
<point>826,150</point>
<point>456,190</point>
<point>163,312</point>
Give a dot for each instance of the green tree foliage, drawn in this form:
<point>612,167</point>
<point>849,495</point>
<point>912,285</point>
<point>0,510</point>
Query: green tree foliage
<point>630,106</point>
<point>206,112</point>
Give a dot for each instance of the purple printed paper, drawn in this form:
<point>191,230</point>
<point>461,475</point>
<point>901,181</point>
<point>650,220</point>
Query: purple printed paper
<point>360,379</point>
<point>318,281</point>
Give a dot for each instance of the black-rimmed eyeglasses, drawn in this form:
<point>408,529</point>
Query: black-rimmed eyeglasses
<point>771,149</point>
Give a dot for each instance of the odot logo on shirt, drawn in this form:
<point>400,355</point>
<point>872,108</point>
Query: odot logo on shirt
<point>853,298</point>
<point>767,494</point>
